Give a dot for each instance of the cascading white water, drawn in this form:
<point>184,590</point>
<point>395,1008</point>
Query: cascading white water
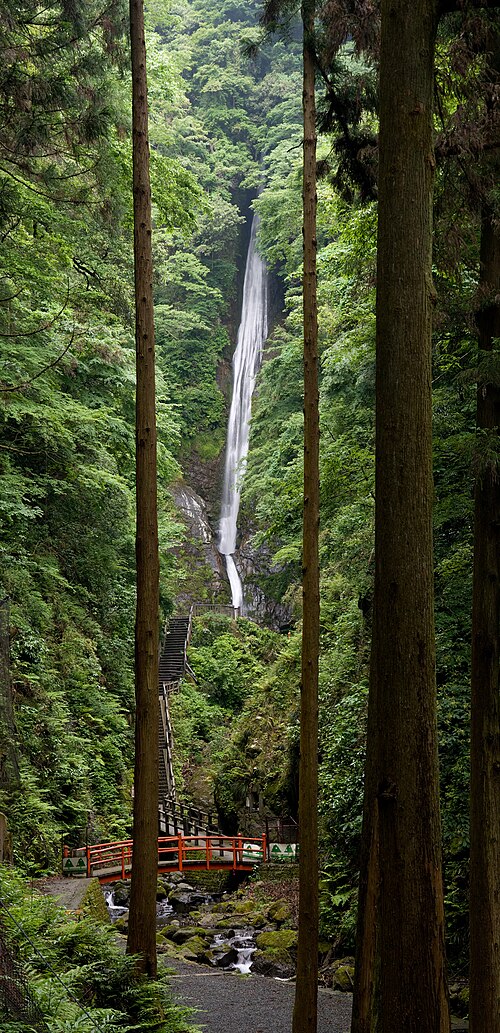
<point>247,358</point>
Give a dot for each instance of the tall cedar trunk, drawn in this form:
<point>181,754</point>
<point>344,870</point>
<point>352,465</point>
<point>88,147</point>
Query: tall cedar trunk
<point>142,916</point>
<point>411,990</point>
<point>306,990</point>
<point>485,696</point>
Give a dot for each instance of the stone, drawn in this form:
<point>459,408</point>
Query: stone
<point>175,878</point>
<point>121,894</point>
<point>279,912</point>
<point>229,958</point>
<point>277,942</point>
<point>183,902</point>
<point>243,907</point>
<point>185,933</point>
<point>194,948</point>
<point>207,921</point>
<point>343,978</point>
<point>168,930</point>
<point>265,966</point>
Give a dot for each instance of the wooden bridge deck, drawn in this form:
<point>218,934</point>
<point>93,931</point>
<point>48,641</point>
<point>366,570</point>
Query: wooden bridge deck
<point>109,862</point>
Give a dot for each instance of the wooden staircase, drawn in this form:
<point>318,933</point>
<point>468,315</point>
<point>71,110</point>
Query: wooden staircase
<point>171,667</point>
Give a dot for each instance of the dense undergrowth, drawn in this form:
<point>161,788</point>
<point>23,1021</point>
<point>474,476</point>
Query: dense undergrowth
<point>79,978</point>
<point>225,130</point>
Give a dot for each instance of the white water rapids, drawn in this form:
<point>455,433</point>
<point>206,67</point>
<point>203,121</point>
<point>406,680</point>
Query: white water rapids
<point>246,361</point>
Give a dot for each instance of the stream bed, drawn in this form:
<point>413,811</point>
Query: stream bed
<point>231,949</point>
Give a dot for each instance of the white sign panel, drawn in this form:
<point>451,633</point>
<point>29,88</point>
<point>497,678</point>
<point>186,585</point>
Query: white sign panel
<point>284,851</point>
<point>74,865</point>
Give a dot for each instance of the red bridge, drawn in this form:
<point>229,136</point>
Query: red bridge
<point>111,861</point>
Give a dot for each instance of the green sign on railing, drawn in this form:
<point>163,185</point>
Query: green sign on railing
<point>74,865</point>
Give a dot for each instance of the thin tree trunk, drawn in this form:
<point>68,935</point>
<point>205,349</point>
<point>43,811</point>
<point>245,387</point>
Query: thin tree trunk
<point>484,1010</point>
<point>306,991</point>
<point>411,990</point>
<point>363,1018</point>
<point>142,916</point>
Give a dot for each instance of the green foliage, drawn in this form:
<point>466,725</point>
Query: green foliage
<point>67,427</point>
<point>79,977</point>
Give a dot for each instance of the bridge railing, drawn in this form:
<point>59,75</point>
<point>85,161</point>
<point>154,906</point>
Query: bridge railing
<point>111,861</point>
<point>225,609</point>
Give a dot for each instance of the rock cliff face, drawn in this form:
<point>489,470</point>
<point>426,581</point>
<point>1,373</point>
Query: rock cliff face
<point>206,574</point>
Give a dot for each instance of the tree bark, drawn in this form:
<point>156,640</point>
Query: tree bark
<point>363,1018</point>
<point>142,915</point>
<point>306,990</point>
<point>484,1012</point>
<point>411,986</point>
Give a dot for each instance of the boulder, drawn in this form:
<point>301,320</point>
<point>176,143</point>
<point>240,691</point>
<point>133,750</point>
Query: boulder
<point>185,933</point>
<point>343,978</point>
<point>230,957</point>
<point>279,944</point>
<point>183,902</point>
<point>279,912</point>
<point>195,949</point>
<point>168,931</point>
<point>265,966</point>
<point>121,894</point>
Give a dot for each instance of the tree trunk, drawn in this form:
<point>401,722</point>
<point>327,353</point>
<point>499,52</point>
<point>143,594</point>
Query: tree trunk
<point>365,970</point>
<point>485,696</point>
<point>411,986</point>
<point>142,916</point>
<point>306,991</point>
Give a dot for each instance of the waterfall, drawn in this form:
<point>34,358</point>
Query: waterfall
<point>246,361</point>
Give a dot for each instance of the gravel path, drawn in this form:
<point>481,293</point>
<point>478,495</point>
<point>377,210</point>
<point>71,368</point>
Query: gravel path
<point>225,1002</point>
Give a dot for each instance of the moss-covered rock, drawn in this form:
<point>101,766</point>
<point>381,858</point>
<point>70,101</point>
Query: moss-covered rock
<point>244,907</point>
<point>168,931</point>
<point>265,966</point>
<point>195,948</point>
<point>93,904</point>
<point>121,893</point>
<point>183,934</point>
<point>343,978</point>
<point>279,912</point>
<point>278,944</point>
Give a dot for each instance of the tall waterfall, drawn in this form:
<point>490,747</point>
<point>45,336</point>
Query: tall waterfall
<point>247,358</point>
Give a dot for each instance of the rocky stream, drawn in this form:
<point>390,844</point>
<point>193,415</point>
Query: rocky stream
<point>209,939</point>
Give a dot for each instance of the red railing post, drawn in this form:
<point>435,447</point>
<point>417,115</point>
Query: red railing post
<point>88,862</point>
<point>240,850</point>
<point>179,848</point>
<point>208,847</point>
<point>264,847</point>
<point>234,855</point>
<point>123,860</point>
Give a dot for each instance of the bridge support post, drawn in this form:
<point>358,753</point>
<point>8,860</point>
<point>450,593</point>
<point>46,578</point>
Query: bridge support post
<point>179,848</point>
